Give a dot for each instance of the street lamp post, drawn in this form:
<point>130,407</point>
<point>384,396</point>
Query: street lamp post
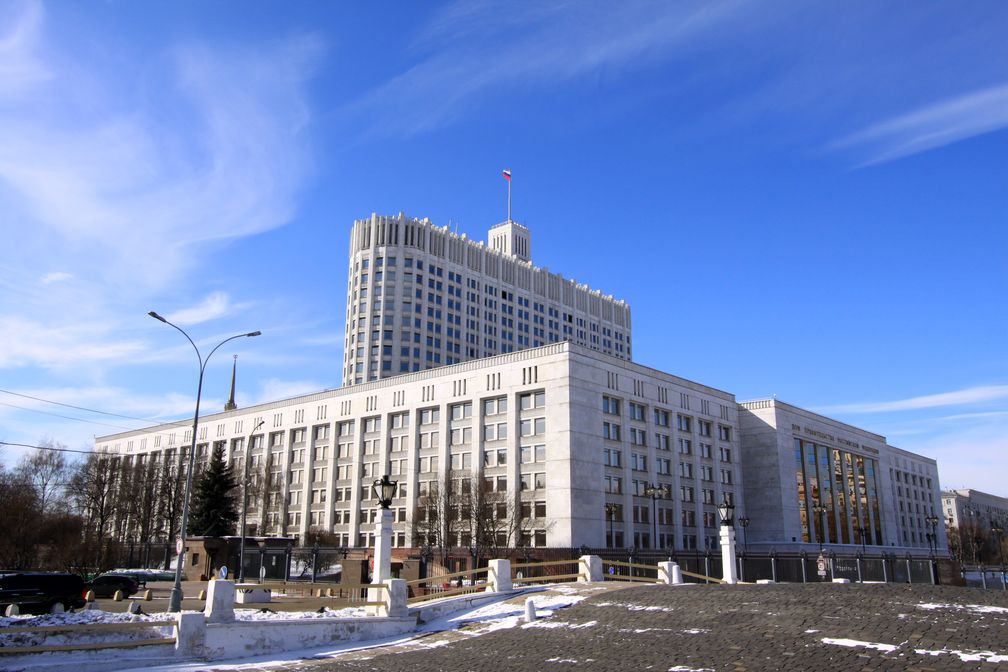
<point>744,522</point>
<point>729,569</point>
<point>655,492</point>
<point>175,604</point>
<point>314,559</point>
<point>862,531</point>
<point>384,491</point>
<point>932,522</point>
<point>610,510</point>
<point>819,510</point>
<point>997,531</point>
<point>245,479</point>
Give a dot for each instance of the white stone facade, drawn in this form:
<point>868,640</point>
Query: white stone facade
<point>561,428</point>
<point>870,492</point>
<point>420,296</point>
<point>966,507</point>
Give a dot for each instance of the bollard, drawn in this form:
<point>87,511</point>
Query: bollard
<point>12,610</point>
<point>148,595</point>
<point>117,596</point>
<point>134,607</point>
<point>530,610</point>
<point>57,608</point>
<point>89,596</point>
<point>202,595</point>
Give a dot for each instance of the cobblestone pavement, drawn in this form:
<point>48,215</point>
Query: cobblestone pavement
<point>701,627</point>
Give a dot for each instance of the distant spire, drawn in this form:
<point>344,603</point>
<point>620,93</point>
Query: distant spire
<point>231,405</point>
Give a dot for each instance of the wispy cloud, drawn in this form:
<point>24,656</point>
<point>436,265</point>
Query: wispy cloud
<point>21,69</point>
<point>933,126</point>
<point>212,307</point>
<point>970,395</point>
<point>273,389</point>
<point>58,276</point>
<point>484,48</point>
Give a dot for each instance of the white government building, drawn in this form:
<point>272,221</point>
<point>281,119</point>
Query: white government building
<point>464,358</point>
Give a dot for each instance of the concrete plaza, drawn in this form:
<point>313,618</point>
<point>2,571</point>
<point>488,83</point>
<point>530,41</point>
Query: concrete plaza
<point>712,627</point>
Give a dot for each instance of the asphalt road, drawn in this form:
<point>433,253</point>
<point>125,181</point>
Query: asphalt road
<point>711,627</point>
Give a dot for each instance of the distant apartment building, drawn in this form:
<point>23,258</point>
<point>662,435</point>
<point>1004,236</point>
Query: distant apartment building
<point>973,508</point>
<point>420,296</point>
<point>811,479</point>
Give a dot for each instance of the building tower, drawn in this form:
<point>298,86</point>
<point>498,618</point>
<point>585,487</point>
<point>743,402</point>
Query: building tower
<point>420,296</point>
<point>231,405</point>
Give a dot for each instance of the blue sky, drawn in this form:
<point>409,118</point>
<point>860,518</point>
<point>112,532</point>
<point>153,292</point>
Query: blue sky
<point>800,199</point>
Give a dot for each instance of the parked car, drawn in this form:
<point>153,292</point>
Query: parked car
<point>107,584</point>
<point>40,592</point>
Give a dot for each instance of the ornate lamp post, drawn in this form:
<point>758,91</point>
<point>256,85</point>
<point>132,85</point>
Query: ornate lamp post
<point>384,491</point>
<point>932,522</point>
<point>245,479</point>
<point>610,510</point>
<point>744,522</point>
<point>726,511</point>
<point>175,604</point>
<point>314,559</point>
<point>862,532</point>
<point>819,510</point>
<point>655,492</point>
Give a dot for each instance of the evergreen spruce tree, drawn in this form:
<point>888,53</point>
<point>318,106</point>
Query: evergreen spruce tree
<point>215,499</point>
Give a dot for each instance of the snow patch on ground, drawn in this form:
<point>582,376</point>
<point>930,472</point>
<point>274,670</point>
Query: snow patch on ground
<point>975,608</point>
<point>696,631</point>
<point>634,607</point>
<point>886,648</point>
<point>683,668</point>
<point>967,656</point>
<point>269,615</point>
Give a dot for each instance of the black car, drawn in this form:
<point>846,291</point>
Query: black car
<point>40,592</point>
<point>107,584</point>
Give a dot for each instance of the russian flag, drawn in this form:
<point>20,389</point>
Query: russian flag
<point>507,174</point>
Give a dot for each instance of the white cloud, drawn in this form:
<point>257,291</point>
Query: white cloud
<point>57,276</point>
<point>934,126</point>
<point>27,341</point>
<point>212,307</point>
<point>971,395</point>
<point>273,389</point>
<point>21,69</point>
<point>483,48</point>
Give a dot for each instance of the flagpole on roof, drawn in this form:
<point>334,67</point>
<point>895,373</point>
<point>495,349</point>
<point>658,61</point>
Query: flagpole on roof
<point>507,176</point>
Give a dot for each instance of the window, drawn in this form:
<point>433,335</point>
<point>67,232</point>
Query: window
<point>661,418</point>
<point>686,470</point>
<point>532,400</point>
<point>612,457</point>
<point>686,493</point>
<point>461,436</point>
<point>533,427</point>
<point>636,412</point>
<point>706,473</point>
<point>613,485</point>
<point>638,437</point>
<point>708,496</point>
<point>724,432</point>
<point>725,454</point>
<point>461,411</point>
<point>639,462</point>
<point>372,424</point>
<point>494,431</point>
<point>684,423</point>
<point>685,447</point>
<point>495,406</point>
<point>706,450</point>
<point>610,405</point>
<point>703,427</point>
<point>664,466</point>
<point>399,420</point>
<point>689,518</point>
<point>530,454</point>
<point>429,416</point>
<point>726,476</point>
<point>662,442</point>
<point>611,431</point>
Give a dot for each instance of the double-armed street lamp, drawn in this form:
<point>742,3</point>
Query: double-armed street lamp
<point>175,604</point>
<point>932,522</point>
<point>655,492</point>
<point>245,480</point>
<point>610,510</point>
<point>743,521</point>
<point>819,510</point>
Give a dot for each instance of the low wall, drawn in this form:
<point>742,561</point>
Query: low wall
<point>428,611</point>
<point>251,638</point>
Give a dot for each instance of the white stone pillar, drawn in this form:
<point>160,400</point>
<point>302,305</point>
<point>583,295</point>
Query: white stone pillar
<point>590,568</point>
<point>382,572</point>
<point>729,568</point>
<point>499,576</point>
<point>669,573</point>
<point>190,633</point>
<point>220,601</point>
<point>395,602</point>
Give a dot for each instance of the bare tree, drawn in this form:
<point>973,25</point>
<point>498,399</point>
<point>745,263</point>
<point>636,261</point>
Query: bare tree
<point>47,471</point>
<point>93,489</point>
<point>171,488</point>
<point>19,523</point>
